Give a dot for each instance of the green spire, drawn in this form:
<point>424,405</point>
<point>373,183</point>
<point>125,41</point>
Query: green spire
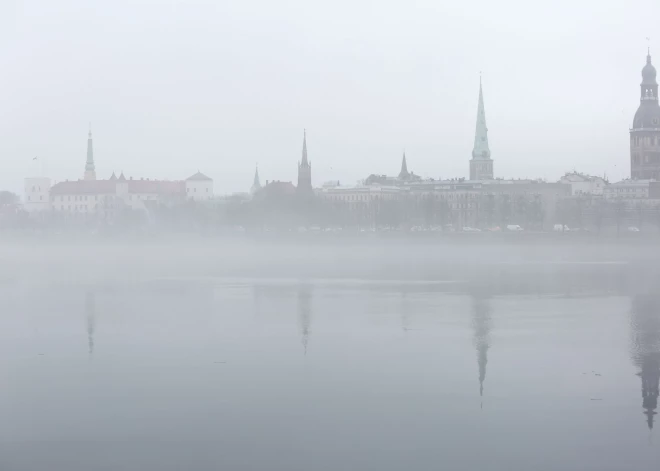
<point>481,150</point>
<point>89,166</point>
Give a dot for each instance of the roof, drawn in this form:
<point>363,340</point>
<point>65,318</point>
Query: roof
<point>200,177</point>
<point>84,187</point>
<point>109,187</point>
<point>279,188</point>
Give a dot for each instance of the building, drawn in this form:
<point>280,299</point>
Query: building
<point>354,197</point>
<point>481,164</point>
<point>199,187</point>
<point>627,189</point>
<point>107,196</point>
<point>582,184</point>
<point>645,132</point>
<point>304,171</point>
<point>36,194</point>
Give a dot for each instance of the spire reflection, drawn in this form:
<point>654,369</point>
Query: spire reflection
<point>304,313</point>
<point>645,326</point>
<point>90,314</point>
<point>481,326</point>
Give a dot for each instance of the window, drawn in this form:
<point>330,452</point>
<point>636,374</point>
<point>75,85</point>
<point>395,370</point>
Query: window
<point>41,198</point>
<point>195,190</point>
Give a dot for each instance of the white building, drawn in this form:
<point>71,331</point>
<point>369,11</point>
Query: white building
<point>199,187</point>
<point>36,195</point>
<point>629,189</point>
<point>582,184</point>
<point>106,196</point>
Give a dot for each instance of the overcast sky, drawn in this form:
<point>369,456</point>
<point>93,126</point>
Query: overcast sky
<point>173,86</point>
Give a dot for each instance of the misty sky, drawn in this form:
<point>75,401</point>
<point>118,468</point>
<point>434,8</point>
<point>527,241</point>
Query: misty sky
<point>173,86</point>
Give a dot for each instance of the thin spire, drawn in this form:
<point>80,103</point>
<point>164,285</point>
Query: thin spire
<point>90,167</point>
<point>256,184</point>
<point>404,167</point>
<point>304,161</point>
<point>481,149</point>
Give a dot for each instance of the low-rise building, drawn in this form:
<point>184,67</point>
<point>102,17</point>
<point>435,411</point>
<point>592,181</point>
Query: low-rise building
<point>582,184</point>
<point>628,189</point>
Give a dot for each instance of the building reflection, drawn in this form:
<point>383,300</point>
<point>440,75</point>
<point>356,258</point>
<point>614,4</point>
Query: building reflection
<point>481,326</point>
<point>645,326</point>
<point>90,315</point>
<point>304,313</point>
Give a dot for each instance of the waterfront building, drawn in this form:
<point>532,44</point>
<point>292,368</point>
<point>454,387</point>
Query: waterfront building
<point>582,184</point>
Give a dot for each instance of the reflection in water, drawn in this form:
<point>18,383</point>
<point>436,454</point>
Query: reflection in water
<point>90,308</point>
<point>645,325</point>
<point>304,312</point>
<point>481,324</point>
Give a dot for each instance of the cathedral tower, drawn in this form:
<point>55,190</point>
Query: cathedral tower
<point>304,170</point>
<point>645,133</point>
<point>481,165</point>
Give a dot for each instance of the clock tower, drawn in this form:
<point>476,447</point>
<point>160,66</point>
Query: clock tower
<point>645,132</point>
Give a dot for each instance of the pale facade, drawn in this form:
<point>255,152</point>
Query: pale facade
<point>628,189</point>
<point>36,196</point>
<point>199,187</point>
<point>584,184</point>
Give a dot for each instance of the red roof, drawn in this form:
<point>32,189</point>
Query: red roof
<point>279,188</point>
<point>84,187</point>
<point>109,187</point>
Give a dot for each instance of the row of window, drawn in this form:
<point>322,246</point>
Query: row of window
<point>649,141</point>
<point>648,158</point>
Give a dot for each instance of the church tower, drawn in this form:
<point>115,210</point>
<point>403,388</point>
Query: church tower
<point>404,174</point>
<point>304,170</point>
<point>645,133</point>
<point>256,184</point>
<point>481,165</point>
<point>90,168</point>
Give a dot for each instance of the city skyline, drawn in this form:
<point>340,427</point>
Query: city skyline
<point>557,100</point>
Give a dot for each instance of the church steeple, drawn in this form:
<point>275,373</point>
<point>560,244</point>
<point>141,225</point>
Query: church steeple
<point>481,165</point>
<point>256,184</point>
<point>304,170</point>
<point>90,168</point>
<point>403,174</point>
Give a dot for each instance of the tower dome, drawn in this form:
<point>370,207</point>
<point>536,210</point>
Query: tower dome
<point>648,72</point>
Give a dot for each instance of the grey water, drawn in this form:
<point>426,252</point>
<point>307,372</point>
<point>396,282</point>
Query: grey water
<point>384,356</point>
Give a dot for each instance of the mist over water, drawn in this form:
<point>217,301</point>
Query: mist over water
<point>299,355</point>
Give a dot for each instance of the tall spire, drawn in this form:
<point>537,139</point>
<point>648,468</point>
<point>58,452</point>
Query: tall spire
<point>304,171</point>
<point>481,149</point>
<point>403,174</point>
<point>304,151</point>
<point>90,168</point>
<point>256,184</point>
<point>481,165</point>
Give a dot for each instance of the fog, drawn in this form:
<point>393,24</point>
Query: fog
<point>165,307</point>
<point>299,353</point>
<point>172,87</point>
